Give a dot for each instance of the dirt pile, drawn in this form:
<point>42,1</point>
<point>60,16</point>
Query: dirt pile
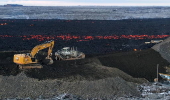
<point>105,76</point>
<point>140,64</point>
<point>87,78</point>
<point>164,49</point>
<point>21,86</point>
<point>86,69</point>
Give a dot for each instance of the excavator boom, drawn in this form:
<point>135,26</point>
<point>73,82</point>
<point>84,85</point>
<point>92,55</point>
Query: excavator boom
<point>48,44</point>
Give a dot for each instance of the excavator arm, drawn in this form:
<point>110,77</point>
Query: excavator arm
<point>48,44</point>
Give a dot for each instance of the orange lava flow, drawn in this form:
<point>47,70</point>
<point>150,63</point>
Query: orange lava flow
<point>83,38</point>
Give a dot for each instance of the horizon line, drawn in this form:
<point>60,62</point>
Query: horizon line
<point>92,5</point>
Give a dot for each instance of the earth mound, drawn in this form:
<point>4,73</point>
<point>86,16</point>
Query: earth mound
<point>102,76</point>
<point>163,48</point>
<point>23,86</point>
<point>87,78</point>
<point>140,64</point>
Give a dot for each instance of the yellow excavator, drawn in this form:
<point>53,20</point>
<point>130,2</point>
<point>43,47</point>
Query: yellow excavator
<point>28,60</point>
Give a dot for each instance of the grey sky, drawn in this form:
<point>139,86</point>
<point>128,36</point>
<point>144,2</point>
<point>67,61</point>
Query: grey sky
<point>88,2</point>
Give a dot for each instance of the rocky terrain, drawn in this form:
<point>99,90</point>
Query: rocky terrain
<point>102,76</point>
<point>164,49</point>
<point>107,76</point>
<point>119,35</point>
<point>84,77</point>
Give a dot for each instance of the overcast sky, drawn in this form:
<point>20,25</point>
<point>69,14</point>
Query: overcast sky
<point>88,2</point>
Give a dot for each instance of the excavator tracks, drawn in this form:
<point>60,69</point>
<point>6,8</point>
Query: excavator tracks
<point>30,66</point>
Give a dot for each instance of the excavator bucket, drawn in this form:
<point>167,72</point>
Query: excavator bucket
<point>48,61</point>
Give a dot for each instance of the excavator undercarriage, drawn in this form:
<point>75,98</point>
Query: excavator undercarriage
<point>30,66</point>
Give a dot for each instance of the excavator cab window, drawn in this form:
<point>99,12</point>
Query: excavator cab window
<point>28,54</point>
<point>66,49</point>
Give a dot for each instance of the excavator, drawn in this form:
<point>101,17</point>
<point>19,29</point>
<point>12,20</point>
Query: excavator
<point>68,53</point>
<point>29,61</point>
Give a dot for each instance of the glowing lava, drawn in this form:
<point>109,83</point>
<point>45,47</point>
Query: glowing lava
<point>83,38</point>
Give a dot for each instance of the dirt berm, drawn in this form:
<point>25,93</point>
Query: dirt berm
<point>93,77</point>
<point>163,48</point>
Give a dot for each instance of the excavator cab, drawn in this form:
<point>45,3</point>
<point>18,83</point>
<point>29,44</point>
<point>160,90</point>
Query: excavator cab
<point>23,59</point>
